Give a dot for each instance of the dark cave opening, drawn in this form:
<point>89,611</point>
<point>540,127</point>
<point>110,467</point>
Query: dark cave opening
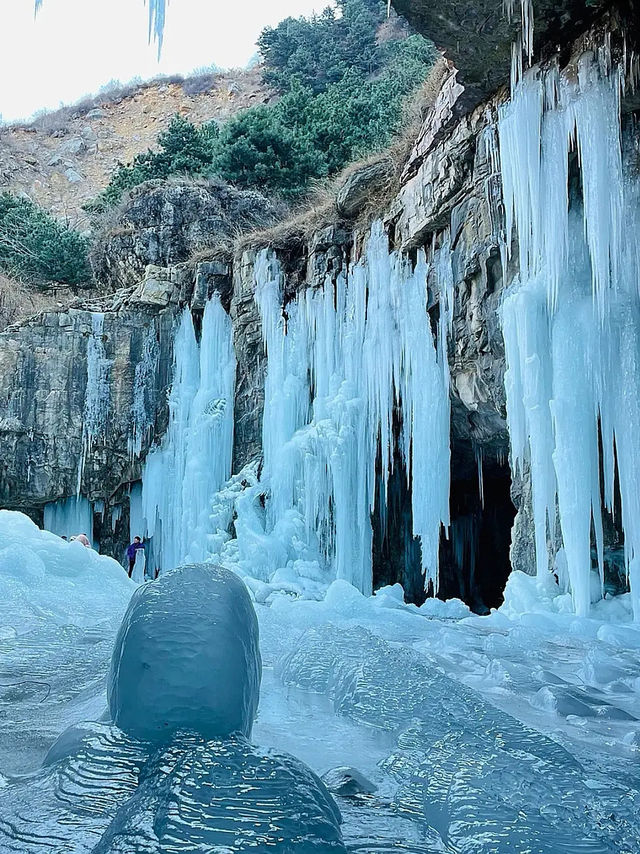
<point>474,558</point>
<point>396,552</point>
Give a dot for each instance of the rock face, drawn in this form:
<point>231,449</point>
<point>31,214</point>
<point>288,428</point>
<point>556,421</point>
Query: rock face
<point>450,191</point>
<point>477,34</point>
<point>164,224</point>
<point>53,368</point>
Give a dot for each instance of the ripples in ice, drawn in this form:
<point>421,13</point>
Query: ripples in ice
<point>103,792</point>
<point>472,777</point>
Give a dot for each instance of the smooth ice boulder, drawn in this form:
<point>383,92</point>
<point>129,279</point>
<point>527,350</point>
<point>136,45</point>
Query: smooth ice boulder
<point>187,657</point>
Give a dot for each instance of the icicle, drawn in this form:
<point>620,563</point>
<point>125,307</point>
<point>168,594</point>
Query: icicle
<point>349,353</point>
<point>116,515</point>
<point>181,476</point>
<point>571,323</point>
<point>480,476</point>
<point>97,393</point>
<point>145,372</point>
<point>69,517</point>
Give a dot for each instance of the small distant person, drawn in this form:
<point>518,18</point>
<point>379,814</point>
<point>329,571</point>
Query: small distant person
<point>131,552</point>
<point>82,538</point>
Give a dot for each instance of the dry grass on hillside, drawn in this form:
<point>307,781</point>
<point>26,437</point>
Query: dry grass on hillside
<point>18,301</point>
<point>55,121</point>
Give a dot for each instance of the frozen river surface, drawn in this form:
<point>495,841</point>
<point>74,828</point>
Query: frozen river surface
<point>513,733</point>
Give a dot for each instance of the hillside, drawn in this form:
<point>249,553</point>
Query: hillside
<point>65,158</point>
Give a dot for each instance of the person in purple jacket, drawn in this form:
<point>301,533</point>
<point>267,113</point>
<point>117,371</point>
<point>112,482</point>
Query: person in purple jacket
<point>131,552</point>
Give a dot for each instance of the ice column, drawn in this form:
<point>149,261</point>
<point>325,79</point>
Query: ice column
<point>571,321</point>
<point>97,393</point>
<point>183,474</point>
<point>343,359</point>
<point>143,381</point>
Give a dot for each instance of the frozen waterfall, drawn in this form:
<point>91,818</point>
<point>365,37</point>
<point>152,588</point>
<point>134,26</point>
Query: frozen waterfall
<point>69,517</point>
<point>97,393</point>
<point>346,362</point>
<point>571,321</point>
<point>192,463</point>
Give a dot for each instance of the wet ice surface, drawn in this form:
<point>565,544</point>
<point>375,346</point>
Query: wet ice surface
<point>456,770</point>
<point>425,708</point>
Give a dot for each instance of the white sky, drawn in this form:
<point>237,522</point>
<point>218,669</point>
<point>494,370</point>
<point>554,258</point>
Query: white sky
<point>74,47</point>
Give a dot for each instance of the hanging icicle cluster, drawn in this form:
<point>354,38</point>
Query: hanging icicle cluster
<point>342,360</point>
<point>182,476</point>
<point>571,321</point>
<point>157,14</point>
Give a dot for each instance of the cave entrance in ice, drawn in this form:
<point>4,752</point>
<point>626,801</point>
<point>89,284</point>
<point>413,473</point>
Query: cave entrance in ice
<point>474,559</point>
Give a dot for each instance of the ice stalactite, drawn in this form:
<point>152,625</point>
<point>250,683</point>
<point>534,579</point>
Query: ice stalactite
<point>144,376</point>
<point>571,322</point>
<point>97,394</point>
<point>192,463</point>
<point>341,360</point>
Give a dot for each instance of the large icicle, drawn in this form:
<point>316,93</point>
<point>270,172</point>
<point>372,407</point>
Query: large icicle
<point>571,322</point>
<point>346,357</point>
<point>145,372</point>
<point>181,477</point>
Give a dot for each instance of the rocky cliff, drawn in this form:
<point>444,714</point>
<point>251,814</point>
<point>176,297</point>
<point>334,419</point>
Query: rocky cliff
<point>450,190</point>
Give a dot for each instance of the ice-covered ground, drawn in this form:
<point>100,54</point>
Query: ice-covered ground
<point>513,733</point>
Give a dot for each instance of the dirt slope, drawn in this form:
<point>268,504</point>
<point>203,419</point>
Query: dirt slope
<point>66,158</point>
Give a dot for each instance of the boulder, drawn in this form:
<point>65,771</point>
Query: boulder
<point>187,657</point>
<point>359,185</point>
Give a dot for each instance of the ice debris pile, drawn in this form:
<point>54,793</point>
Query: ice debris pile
<point>571,322</point>
<point>187,657</point>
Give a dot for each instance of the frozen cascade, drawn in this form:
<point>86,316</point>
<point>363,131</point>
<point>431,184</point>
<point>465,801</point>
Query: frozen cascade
<point>571,322</point>
<point>97,393</point>
<point>192,463</point>
<point>143,380</point>
<point>69,517</point>
<point>342,360</point>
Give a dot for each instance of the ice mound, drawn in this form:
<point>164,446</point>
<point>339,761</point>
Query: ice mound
<point>187,657</point>
<point>225,796</point>
<point>478,778</point>
<point>46,579</point>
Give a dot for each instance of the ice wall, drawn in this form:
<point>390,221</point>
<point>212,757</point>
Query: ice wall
<point>69,517</point>
<point>345,363</point>
<point>571,321</point>
<point>192,463</point>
